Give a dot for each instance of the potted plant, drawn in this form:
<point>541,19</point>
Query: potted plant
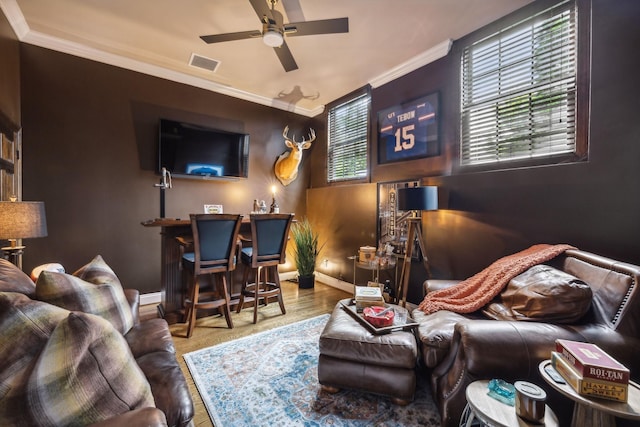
<point>306,252</point>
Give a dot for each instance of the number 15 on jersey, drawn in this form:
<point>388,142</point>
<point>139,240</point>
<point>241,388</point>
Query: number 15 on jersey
<point>408,131</point>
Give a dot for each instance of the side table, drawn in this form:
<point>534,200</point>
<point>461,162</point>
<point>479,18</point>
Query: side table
<point>374,267</point>
<point>490,411</point>
<point>588,412</point>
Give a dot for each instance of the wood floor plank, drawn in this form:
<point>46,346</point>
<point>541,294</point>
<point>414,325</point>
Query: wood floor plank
<point>300,304</point>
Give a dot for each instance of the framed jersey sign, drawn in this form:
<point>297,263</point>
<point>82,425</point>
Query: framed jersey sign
<point>409,131</point>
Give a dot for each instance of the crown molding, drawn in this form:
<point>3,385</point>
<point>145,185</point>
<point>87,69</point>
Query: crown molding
<point>25,34</point>
<point>438,51</point>
<point>77,49</point>
<point>17,21</point>
<point>15,17</point>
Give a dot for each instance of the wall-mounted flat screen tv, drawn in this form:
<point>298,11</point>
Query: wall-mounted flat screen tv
<point>193,151</point>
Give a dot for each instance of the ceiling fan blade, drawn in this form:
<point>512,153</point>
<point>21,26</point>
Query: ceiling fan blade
<point>285,57</point>
<point>293,10</point>
<point>262,8</point>
<point>324,26</point>
<point>217,38</point>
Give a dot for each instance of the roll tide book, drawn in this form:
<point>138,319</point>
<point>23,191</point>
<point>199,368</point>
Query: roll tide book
<point>590,361</point>
<point>588,386</point>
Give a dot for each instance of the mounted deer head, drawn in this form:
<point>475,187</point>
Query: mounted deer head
<point>286,167</point>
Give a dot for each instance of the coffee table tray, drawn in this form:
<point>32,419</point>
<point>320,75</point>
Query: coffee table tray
<point>350,307</point>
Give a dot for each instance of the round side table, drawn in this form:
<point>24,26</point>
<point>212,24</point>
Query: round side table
<point>596,412</point>
<point>374,267</point>
<point>492,412</point>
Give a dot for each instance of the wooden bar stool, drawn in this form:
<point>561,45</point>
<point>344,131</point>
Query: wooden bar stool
<point>215,243</point>
<point>269,235</point>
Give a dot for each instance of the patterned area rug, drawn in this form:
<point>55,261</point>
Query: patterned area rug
<point>271,379</point>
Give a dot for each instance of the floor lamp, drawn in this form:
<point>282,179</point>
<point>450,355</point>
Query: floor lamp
<point>414,199</point>
<point>20,220</point>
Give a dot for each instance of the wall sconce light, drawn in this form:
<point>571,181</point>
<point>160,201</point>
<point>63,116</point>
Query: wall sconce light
<point>415,199</point>
<point>21,220</point>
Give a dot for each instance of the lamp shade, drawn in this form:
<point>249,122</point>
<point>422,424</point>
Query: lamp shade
<point>22,220</point>
<point>418,198</point>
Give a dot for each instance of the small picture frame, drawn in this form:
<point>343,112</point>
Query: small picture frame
<point>213,209</point>
<point>409,130</point>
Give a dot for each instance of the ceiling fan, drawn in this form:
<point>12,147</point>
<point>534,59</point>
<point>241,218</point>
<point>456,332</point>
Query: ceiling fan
<point>274,31</point>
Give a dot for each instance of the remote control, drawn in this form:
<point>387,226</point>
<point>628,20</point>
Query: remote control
<point>555,376</point>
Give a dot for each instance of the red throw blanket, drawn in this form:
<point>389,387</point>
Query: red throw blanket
<point>475,292</point>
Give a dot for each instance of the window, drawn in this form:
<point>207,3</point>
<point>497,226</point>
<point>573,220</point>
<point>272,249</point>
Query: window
<point>347,144</point>
<point>519,90</point>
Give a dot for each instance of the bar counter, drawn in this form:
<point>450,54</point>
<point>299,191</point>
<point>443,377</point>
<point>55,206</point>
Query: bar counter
<point>173,290</point>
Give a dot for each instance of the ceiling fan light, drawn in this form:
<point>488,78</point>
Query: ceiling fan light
<point>273,38</point>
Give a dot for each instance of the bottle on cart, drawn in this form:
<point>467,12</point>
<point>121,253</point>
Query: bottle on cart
<point>387,291</point>
<point>274,206</point>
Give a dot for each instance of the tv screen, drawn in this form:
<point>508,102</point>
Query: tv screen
<point>193,151</point>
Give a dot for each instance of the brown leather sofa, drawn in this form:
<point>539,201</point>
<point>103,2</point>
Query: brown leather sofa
<point>457,349</point>
<point>150,343</point>
<point>152,346</point>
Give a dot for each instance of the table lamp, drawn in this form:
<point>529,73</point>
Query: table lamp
<point>21,220</point>
<point>414,199</point>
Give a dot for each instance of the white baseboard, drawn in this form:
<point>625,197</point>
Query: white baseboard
<point>288,275</point>
<point>151,298</point>
<point>327,280</point>
<point>156,297</point>
<point>336,283</point>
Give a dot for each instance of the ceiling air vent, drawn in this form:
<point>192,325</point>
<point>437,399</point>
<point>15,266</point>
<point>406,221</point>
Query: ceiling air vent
<point>204,62</point>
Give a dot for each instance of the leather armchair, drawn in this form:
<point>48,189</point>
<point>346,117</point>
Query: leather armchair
<point>148,417</point>
<point>469,347</point>
<point>152,346</point>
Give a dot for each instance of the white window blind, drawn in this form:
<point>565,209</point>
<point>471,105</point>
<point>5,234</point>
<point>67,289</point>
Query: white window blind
<point>348,129</point>
<point>519,90</point>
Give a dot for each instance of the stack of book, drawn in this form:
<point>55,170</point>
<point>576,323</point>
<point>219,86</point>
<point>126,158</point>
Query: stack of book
<point>368,296</point>
<point>590,371</point>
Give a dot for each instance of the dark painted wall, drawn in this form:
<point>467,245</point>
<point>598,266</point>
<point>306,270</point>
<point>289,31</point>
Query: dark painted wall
<point>342,216</point>
<point>90,138</point>
<point>9,77</point>
<point>89,147</point>
<point>594,205</point>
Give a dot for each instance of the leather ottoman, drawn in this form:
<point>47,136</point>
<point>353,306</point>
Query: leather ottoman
<point>354,358</point>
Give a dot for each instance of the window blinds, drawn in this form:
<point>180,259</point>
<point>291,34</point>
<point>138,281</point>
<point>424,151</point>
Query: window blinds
<point>519,90</point>
<point>348,130</point>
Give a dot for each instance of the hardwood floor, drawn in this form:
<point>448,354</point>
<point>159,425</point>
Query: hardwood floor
<point>299,303</point>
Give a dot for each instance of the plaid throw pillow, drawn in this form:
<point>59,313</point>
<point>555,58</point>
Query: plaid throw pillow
<point>12,279</point>
<point>97,272</point>
<point>25,327</point>
<point>106,300</point>
<point>85,374</point>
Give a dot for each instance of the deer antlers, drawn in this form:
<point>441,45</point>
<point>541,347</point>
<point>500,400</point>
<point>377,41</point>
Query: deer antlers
<point>312,135</point>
